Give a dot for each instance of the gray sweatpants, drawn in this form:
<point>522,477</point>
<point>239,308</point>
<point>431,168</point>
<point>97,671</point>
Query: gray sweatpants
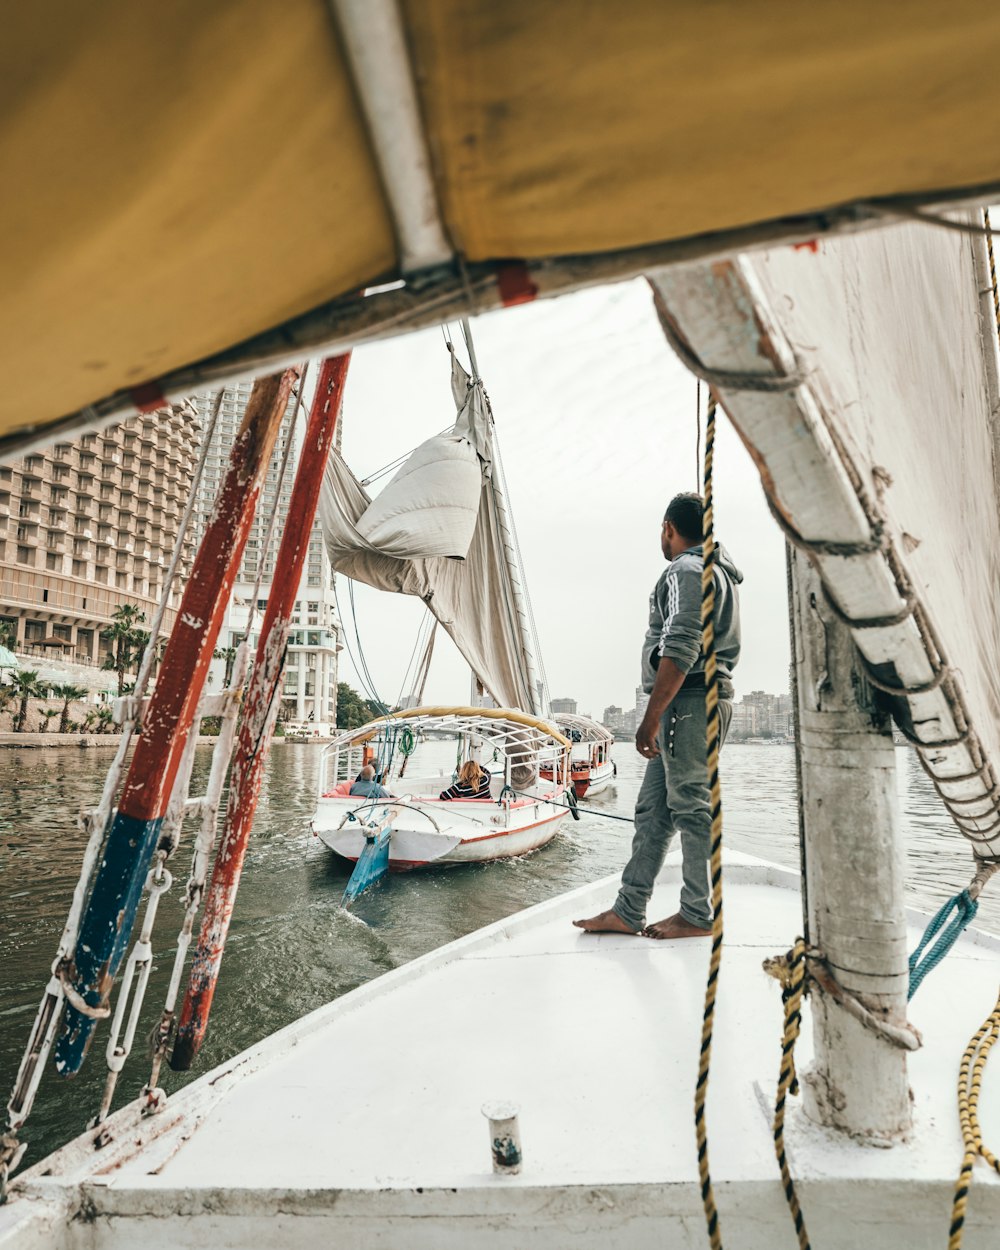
<point>674,797</point>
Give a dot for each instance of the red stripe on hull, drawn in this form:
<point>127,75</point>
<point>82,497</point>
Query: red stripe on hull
<point>406,865</point>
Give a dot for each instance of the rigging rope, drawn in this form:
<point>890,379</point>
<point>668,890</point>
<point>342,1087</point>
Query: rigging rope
<point>793,975</point>
<point>360,666</point>
<point>513,584</point>
<point>712,743</point>
<point>993,267</point>
<point>273,519</point>
<point>697,430</point>
<point>94,823</point>
<point>970,1078</point>
<point>965,907</point>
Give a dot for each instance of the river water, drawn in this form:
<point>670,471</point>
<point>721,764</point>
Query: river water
<point>291,948</point>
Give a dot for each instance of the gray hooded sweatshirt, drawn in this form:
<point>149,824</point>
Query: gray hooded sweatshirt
<point>675,619</point>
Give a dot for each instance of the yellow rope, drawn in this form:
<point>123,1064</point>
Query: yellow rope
<point>712,739</point>
<point>793,989</point>
<point>970,1079</point>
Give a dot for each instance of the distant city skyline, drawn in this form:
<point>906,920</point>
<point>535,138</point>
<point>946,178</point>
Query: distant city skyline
<point>757,714</point>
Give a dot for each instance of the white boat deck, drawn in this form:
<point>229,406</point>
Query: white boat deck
<point>367,1112</point>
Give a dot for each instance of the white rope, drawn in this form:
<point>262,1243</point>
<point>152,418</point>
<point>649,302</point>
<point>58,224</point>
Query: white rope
<point>155,1099</point>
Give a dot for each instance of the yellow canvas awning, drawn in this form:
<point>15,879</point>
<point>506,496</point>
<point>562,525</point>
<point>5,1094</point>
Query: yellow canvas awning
<point>181,177</point>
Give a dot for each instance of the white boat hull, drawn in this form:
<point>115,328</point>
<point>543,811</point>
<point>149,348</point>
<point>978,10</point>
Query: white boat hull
<point>601,776</point>
<point>360,1125</point>
<point>482,832</point>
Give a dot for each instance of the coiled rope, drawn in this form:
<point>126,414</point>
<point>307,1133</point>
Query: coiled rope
<point>970,1078</point>
<point>712,735</point>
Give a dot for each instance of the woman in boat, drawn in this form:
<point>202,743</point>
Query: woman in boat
<point>473,783</point>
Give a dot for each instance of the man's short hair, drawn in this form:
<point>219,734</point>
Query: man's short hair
<point>684,512</point>
<point>368,773</point>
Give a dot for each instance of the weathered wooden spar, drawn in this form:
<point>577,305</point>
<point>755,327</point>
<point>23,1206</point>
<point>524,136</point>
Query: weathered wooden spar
<point>108,919</point>
<point>259,713</point>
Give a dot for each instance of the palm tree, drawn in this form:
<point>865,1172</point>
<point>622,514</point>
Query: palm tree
<point>229,655</point>
<point>69,694</point>
<point>89,717</point>
<point>47,714</point>
<point>128,640</point>
<point>105,717</point>
<point>8,635</point>
<point>25,685</point>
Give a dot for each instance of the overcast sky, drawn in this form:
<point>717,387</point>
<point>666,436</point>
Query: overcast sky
<point>596,424</point>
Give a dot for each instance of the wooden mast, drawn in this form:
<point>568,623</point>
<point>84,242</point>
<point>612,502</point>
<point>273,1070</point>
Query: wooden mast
<point>108,919</point>
<point>260,710</point>
<point>853,871</point>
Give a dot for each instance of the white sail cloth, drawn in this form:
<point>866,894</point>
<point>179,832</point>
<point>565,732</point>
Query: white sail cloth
<point>895,330</point>
<point>435,533</point>
<point>879,449</point>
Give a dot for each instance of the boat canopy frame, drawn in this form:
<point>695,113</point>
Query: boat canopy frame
<point>520,739</point>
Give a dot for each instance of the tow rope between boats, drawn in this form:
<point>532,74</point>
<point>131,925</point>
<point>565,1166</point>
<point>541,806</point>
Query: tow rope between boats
<point>572,807</point>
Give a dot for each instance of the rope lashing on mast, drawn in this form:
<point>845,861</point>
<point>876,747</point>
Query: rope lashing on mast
<point>712,742</point>
<point>947,928</point>
<point>970,1079</point>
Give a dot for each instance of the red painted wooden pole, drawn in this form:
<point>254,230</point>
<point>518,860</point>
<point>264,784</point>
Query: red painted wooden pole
<point>108,919</point>
<point>260,710</point>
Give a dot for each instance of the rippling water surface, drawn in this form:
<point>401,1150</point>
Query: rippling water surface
<point>292,949</point>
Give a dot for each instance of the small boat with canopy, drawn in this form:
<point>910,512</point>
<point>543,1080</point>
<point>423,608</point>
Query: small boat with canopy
<point>591,767</point>
<point>522,811</point>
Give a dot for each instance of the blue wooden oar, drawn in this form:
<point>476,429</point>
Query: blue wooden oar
<point>373,862</point>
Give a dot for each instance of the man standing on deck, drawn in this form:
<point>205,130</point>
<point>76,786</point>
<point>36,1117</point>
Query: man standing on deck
<point>674,795</point>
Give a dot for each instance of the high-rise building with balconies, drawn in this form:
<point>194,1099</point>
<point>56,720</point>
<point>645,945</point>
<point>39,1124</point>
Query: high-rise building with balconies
<point>310,685</point>
<point>89,525</point>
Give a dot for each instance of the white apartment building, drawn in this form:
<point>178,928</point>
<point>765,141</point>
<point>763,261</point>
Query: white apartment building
<point>88,526</point>
<point>310,684</point>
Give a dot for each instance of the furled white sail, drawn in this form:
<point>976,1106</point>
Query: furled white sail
<point>438,532</point>
<point>430,507</point>
<point>880,451</point>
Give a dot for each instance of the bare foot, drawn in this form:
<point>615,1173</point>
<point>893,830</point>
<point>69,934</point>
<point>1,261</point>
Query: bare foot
<point>606,922</point>
<point>675,927</point>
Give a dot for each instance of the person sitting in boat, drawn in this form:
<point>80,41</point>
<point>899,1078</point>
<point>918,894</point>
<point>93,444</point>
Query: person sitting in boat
<point>473,783</point>
<point>367,787</point>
